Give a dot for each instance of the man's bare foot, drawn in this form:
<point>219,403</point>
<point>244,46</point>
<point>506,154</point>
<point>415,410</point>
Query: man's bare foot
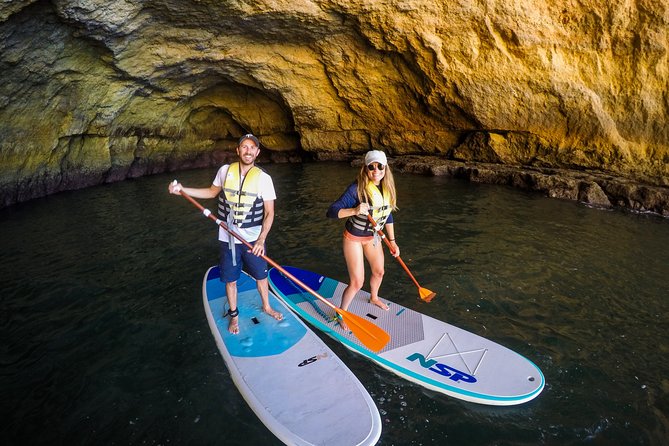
<point>233,326</point>
<point>379,303</point>
<point>275,314</point>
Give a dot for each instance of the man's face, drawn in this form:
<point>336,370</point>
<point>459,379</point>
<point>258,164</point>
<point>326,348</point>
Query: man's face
<point>248,151</point>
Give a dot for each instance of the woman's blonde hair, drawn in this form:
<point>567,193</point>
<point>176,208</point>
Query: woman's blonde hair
<point>387,184</point>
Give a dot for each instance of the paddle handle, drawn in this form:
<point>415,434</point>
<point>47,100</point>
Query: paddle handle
<point>207,213</point>
<point>392,251</point>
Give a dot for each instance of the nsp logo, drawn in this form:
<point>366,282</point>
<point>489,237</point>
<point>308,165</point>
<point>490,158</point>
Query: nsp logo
<point>442,369</point>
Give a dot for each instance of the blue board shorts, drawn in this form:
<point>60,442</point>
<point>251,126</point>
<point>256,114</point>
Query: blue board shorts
<point>254,265</point>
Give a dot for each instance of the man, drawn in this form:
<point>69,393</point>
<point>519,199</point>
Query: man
<point>246,203</point>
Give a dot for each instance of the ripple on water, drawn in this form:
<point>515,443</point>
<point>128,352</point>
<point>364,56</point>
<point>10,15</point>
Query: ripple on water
<point>105,340</point>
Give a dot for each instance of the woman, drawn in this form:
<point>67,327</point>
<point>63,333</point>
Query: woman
<point>372,193</point>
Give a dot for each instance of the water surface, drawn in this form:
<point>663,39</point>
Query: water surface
<point>105,340</point>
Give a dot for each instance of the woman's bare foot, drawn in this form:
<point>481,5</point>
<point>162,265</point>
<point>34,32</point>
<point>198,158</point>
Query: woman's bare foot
<point>233,325</point>
<point>379,303</point>
<point>340,321</point>
<point>275,314</point>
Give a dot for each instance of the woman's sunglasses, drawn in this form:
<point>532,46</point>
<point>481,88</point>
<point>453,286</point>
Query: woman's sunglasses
<point>371,167</point>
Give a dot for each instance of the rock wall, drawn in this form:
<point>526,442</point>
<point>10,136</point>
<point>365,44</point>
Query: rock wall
<point>96,91</point>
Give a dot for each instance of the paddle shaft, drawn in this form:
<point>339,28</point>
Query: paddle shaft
<point>392,251</point>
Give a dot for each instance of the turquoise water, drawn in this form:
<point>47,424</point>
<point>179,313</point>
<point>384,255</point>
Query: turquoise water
<point>105,340</point>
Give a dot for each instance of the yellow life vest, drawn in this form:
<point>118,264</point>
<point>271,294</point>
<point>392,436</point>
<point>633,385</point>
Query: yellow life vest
<point>379,209</point>
<point>238,202</point>
<point>380,205</point>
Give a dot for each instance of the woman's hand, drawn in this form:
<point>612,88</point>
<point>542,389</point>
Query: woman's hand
<point>362,209</point>
<point>396,249</point>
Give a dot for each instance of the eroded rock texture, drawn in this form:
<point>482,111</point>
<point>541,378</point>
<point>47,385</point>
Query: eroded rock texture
<point>95,91</point>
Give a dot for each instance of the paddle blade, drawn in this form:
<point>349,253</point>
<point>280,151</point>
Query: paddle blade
<point>426,294</point>
<point>371,336</point>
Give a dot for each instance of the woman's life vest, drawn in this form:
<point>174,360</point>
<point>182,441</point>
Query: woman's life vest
<point>379,209</point>
<point>238,202</point>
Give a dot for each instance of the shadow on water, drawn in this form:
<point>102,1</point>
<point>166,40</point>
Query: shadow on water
<point>105,340</point>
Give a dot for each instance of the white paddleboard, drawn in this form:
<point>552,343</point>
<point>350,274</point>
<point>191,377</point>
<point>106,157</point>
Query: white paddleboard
<point>294,383</point>
<point>429,352</point>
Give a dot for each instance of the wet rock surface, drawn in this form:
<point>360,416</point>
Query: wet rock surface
<point>569,100</point>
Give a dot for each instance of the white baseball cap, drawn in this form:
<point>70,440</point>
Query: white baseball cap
<point>376,156</point>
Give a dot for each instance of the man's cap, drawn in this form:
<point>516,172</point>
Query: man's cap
<point>249,136</point>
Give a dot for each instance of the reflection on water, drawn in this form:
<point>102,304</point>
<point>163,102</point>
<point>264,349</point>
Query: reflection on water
<point>105,340</point>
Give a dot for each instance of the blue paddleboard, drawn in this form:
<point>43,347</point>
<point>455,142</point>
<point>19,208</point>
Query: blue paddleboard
<point>424,350</point>
<point>294,383</point>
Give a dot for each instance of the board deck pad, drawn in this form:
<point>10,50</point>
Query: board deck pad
<point>424,350</point>
<point>294,383</point>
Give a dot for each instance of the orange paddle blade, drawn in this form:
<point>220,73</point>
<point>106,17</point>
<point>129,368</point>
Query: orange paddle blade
<point>371,336</point>
<point>426,294</point>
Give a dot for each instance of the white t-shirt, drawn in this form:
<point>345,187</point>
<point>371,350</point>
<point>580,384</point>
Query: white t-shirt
<point>265,191</point>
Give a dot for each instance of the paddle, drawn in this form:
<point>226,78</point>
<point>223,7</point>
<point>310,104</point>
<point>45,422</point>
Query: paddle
<point>371,336</point>
<point>424,293</point>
